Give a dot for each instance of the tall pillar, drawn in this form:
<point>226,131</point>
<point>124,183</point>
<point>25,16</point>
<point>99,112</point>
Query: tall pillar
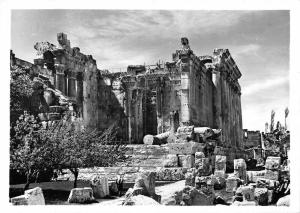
<point>60,77</point>
<point>217,99</point>
<point>71,86</point>
<point>185,96</point>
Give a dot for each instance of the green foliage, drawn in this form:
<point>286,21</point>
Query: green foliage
<point>29,152</point>
<point>21,89</point>
<point>64,145</point>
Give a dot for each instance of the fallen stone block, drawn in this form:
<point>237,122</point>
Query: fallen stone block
<point>171,174</point>
<point>190,178</point>
<point>261,196</point>
<point>186,161</point>
<point>171,161</point>
<point>100,187</point>
<point>81,195</point>
<point>31,197</point>
<point>272,163</point>
<point>219,182</point>
<point>148,178</point>
<point>139,200</point>
<point>247,192</point>
<point>186,148</point>
<point>203,166</point>
<point>190,196</point>
<point>253,176</point>
<point>232,183</point>
<point>284,201</point>
<point>272,175</point>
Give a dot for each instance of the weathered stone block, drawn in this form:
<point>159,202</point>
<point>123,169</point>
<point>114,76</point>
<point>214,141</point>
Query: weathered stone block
<point>148,178</point>
<point>272,163</point>
<point>203,166</point>
<point>139,200</point>
<point>186,161</point>
<point>171,161</point>
<point>81,195</point>
<point>253,176</point>
<point>31,197</point>
<point>219,182</point>
<point>187,148</point>
<point>199,155</point>
<point>261,196</point>
<point>220,165</point>
<point>99,185</point>
<point>247,192</point>
<point>190,178</point>
<point>170,174</point>
<point>231,184</point>
<point>240,169</point>
<point>272,175</point>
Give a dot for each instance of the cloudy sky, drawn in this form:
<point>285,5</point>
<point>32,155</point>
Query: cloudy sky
<point>257,40</point>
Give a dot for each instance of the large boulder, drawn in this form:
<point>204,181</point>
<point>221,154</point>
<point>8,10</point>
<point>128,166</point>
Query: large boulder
<point>261,196</point>
<point>31,197</point>
<point>284,201</point>
<point>100,186</point>
<point>139,200</point>
<point>81,195</point>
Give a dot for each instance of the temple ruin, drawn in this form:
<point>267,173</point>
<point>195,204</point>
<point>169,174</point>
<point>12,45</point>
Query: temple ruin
<point>202,91</point>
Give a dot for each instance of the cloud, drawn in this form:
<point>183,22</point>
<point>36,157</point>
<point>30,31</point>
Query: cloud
<point>263,85</point>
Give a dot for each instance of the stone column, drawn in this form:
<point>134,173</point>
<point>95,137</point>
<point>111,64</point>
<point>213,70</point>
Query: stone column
<point>79,88</point>
<point>217,98</point>
<point>60,77</point>
<point>71,86</point>
<point>185,101</point>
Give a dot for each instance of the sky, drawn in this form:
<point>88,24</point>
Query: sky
<point>257,40</point>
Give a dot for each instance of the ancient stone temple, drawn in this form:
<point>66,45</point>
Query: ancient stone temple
<point>191,90</point>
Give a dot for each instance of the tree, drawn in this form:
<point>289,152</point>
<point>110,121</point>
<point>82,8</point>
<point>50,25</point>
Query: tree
<point>65,145</point>
<point>79,147</point>
<point>21,89</point>
<point>29,151</point>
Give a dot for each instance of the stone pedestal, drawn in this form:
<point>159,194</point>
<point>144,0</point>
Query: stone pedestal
<point>220,166</point>
<point>100,187</point>
<point>240,169</point>
<point>81,195</point>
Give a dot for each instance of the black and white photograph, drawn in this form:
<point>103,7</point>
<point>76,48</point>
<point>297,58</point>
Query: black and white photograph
<point>151,106</point>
